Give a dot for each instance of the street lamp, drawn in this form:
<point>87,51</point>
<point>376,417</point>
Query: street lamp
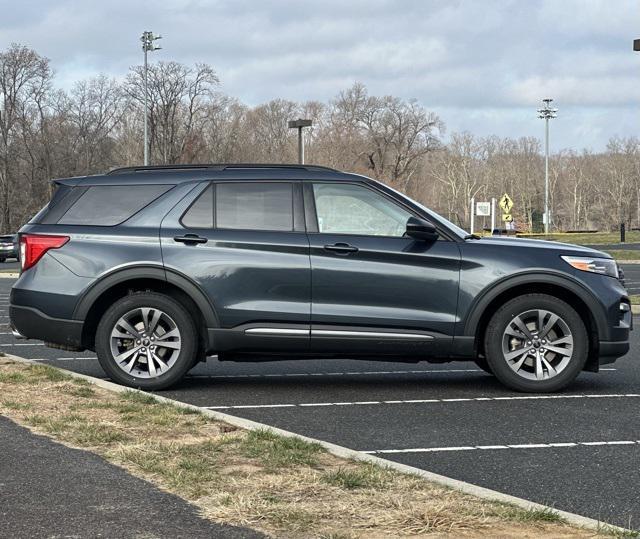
<point>546,113</point>
<point>148,44</point>
<point>300,124</point>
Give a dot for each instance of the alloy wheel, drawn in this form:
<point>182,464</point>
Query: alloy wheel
<point>537,344</point>
<point>145,342</point>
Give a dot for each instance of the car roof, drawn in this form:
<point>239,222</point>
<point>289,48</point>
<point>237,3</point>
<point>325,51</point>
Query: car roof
<point>173,174</point>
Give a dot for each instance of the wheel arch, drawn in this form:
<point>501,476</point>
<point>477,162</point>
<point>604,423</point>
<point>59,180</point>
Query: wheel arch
<point>574,294</point>
<point>98,298</point>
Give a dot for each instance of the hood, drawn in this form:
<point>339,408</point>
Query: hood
<point>568,248</point>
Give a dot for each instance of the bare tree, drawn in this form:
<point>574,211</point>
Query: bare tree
<point>178,98</point>
<point>94,109</point>
<point>24,79</point>
<point>392,134</point>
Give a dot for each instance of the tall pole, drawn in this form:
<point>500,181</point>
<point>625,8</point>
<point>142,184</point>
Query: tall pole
<point>146,110</point>
<point>300,146</point>
<point>147,45</point>
<point>300,124</point>
<point>546,176</point>
<point>546,113</point>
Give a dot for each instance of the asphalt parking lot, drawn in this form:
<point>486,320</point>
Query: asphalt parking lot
<point>578,450</point>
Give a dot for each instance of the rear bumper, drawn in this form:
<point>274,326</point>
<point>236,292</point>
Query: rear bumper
<point>34,324</point>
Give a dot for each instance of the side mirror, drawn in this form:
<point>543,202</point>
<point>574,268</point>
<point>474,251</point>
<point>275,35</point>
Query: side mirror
<point>421,229</point>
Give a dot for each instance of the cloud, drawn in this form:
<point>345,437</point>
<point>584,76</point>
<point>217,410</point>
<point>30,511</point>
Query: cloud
<point>480,65</point>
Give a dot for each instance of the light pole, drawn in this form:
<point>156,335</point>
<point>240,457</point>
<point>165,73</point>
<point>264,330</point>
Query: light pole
<point>148,44</point>
<point>546,113</point>
<point>300,124</point>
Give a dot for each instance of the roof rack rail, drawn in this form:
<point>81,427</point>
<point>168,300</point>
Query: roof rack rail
<point>215,166</point>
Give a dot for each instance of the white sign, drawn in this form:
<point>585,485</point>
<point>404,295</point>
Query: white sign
<point>483,209</point>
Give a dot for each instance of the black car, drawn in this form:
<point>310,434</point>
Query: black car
<point>156,268</point>
<point>8,247</point>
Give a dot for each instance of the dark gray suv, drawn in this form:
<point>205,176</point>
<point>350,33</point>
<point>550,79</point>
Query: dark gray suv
<point>156,268</point>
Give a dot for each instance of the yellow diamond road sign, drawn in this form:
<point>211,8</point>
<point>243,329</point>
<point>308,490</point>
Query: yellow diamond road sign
<point>506,203</point>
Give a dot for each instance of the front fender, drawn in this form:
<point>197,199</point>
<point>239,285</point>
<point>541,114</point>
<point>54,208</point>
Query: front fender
<point>470,322</point>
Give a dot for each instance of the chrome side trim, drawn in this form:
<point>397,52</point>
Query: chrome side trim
<point>17,334</point>
<point>282,332</point>
<point>291,332</point>
<point>369,334</point>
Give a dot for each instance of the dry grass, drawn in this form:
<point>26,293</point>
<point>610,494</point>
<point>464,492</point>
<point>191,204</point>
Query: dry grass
<point>282,486</point>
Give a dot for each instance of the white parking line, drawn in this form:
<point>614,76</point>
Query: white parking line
<point>429,401</point>
<point>490,447</point>
<point>23,344</point>
<point>60,358</point>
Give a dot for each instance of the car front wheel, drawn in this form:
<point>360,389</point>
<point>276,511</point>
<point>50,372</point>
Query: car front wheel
<point>146,340</point>
<point>536,343</point>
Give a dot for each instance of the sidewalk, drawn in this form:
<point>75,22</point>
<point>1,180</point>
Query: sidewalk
<point>50,490</point>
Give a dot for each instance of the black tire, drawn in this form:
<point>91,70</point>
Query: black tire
<point>2,260</point>
<point>503,318</point>
<point>483,364</point>
<point>185,357</point>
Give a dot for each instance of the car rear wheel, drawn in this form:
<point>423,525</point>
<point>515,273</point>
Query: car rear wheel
<point>536,343</point>
<point>146,340</point>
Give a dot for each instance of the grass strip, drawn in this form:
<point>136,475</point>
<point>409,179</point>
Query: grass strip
<point>282,486</point>
<point>604,238</point>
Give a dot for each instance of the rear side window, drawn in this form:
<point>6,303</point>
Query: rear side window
<point>254,206</point>
<point>200,214</point>
<point>108,205</point>
<point>60,193</point>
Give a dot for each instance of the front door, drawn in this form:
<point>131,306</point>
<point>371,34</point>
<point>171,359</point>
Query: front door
<point>373,288</point>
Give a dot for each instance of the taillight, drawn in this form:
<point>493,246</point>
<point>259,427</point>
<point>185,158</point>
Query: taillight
<point>34,246</point>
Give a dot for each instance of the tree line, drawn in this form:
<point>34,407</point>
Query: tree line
<point>47,132</point>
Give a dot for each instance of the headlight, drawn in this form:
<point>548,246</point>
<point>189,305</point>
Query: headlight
<point>604,266</point>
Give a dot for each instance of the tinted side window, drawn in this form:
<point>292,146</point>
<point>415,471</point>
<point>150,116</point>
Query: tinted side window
<point>200,214</point>
<point>353,209</point>
<point>107,205</point>
<point>254,206</point>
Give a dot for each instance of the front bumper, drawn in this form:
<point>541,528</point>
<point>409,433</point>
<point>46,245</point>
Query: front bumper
<point>610,351</point>
<point>34,324</point>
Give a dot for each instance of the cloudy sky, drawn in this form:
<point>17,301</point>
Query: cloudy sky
<point>482,65</point>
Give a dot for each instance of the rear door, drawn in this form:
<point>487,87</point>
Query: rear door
<point>243,243</point>
<point>374,289</point>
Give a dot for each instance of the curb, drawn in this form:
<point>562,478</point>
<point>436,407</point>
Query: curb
<point>351,454</point>
<point>8,275</point>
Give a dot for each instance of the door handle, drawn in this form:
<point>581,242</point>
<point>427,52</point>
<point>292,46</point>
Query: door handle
<point>190,239</point>
<point>341,248</point>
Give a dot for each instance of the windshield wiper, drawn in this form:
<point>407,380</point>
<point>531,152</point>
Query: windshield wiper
<point>472,237</point>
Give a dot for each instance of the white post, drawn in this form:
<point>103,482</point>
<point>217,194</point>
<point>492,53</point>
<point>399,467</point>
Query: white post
<point>473,212</point>
<point>493,214</point>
